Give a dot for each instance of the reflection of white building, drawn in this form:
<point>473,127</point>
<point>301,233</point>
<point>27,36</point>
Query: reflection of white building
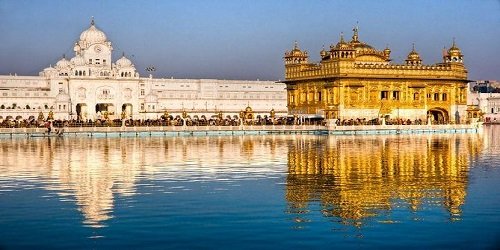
<point>484,97</point>
<point>90,84</point>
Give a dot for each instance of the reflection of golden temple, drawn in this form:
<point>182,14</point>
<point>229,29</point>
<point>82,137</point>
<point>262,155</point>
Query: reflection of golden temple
<point>358,177</point>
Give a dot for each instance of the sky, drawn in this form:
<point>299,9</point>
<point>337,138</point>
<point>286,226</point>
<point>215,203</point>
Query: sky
<point>239,39</point>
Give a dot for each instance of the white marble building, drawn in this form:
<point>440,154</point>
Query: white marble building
<point>91,84</point>
<point>486,99</point>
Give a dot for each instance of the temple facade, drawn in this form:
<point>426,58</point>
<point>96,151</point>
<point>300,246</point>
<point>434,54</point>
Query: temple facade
<point>91,85</point>
<point>354,80</point>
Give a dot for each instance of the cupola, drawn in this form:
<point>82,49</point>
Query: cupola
<point>413,57</point>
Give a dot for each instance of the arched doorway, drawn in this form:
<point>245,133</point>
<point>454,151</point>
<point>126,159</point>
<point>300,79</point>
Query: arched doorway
<point>438,116</point>
<point>127,108</point>
<point>81,111</point>
<point>104,110</point>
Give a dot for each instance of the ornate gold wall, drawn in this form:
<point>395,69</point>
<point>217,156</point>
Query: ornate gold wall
<point>354,80</point>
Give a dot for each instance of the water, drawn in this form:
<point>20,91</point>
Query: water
<point>250,192</point>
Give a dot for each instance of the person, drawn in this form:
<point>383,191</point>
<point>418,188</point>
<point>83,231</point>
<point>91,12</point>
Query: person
<point>48,125</point>
<point>60,131</point>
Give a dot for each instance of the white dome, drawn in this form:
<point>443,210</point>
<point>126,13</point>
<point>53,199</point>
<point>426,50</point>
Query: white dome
<point>123,62</point>
<point>93,35</point>
<point>63,63</point>
<point>50,68</point>
<point>78,60</point>
<point>62,97</point>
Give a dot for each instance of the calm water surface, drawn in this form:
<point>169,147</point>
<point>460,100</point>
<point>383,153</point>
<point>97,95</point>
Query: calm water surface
<point>248,192</point>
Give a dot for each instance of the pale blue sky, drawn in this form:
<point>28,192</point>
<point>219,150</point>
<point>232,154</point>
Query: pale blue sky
<point>237,39</point>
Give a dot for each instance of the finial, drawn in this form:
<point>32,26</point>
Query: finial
<point>386,46</point>
<point>123,53</point>
<point>64,56</point>
<point>413,50</point>
<point>454,45</point>
<point>355,35</point>
<point>296,45</point>
<point>342,37</point>
<point>92,22</point>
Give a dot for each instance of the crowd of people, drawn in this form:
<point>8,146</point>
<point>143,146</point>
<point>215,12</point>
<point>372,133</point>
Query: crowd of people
<point>214,121</point>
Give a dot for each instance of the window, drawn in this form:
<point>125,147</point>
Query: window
<point>384,95</point>
<point>444,97</point>
<point>60,83</point>
<point>436,96</point>
<point>142,91</point>
<point>319,95</point>
<point>415,96</point>
<point>90,61</point>
<point>142,106</point>
<point>395,95</point>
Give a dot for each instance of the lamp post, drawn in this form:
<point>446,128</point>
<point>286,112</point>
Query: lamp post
<point>150,69</point>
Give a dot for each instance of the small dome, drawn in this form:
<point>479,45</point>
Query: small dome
<point>49,69</point>
<point>248,109</point>
<point>454,50</point>
<point>296,51</point>
<point>123,62</point>
<point>78,61</point>
<point>342,44</point>
<point>323,53</point>
<point>63,63</point>
<point>387,51</point>
<point>93,35</point>
<point>63,97</point>
<point>413,56</point>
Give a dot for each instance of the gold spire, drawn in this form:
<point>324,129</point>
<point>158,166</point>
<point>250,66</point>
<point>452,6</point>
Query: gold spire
<point>92,21</point>
<point>355,35</point>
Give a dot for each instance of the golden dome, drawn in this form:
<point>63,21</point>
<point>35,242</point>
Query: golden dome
<point>454,50</point>
<point>323,53</point>
<point>413,56</point>
<point>387,50</point>
<point>248,109</point>
<point>342,44</point>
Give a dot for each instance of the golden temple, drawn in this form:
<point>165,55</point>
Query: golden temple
<point>354,80</point>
